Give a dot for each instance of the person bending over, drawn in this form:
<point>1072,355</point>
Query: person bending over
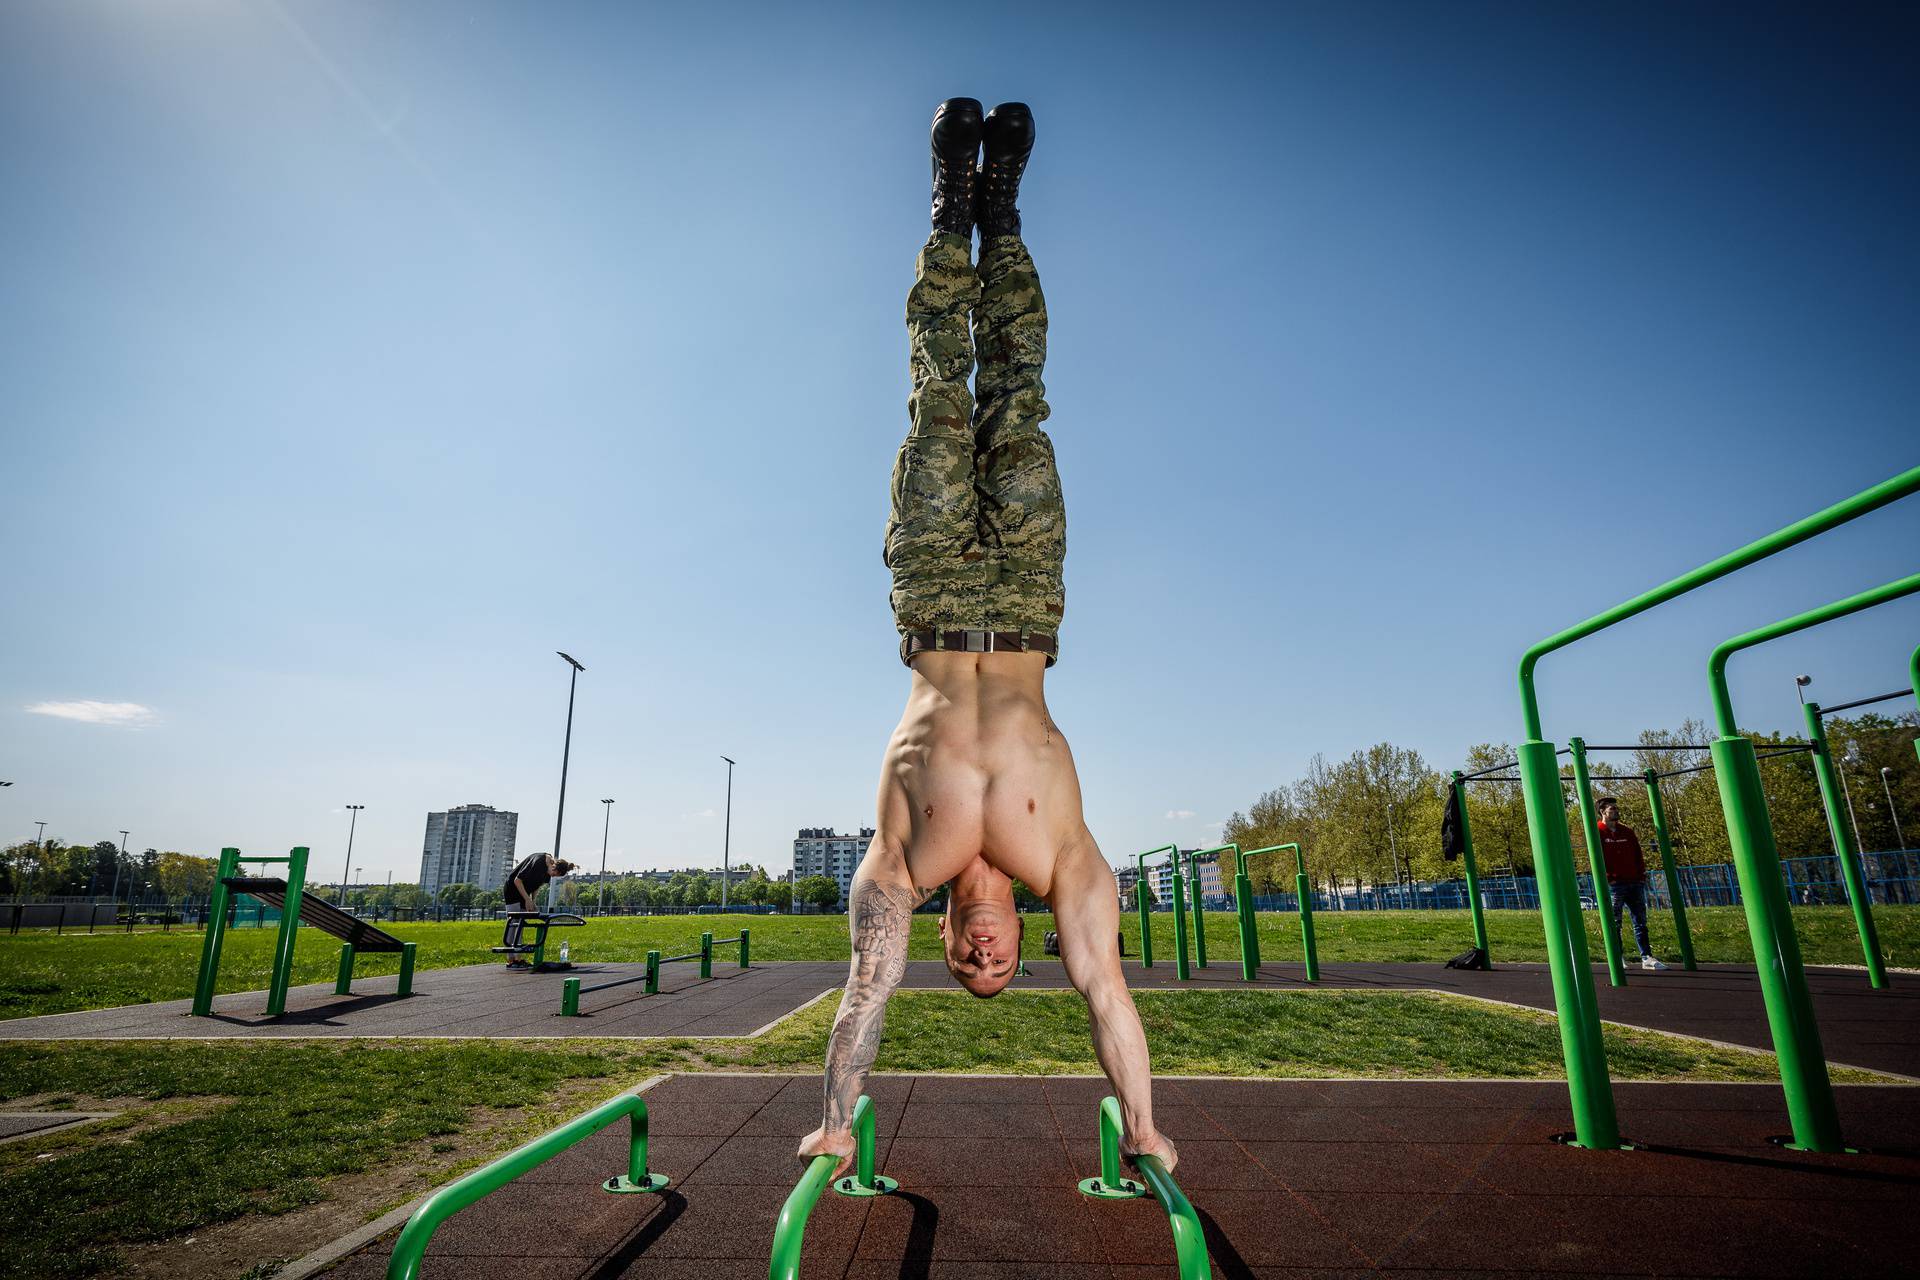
<point>977,786</point>
<point>523,883</point>
<point>1626,875</point>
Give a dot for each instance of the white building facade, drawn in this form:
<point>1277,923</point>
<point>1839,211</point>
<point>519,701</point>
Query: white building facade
<point>821,851</point>
<point>468,844</point>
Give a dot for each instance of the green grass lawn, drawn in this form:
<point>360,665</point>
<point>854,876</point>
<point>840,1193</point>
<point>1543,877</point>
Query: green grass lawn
<point>213,1132</point>
<point>46,973</point>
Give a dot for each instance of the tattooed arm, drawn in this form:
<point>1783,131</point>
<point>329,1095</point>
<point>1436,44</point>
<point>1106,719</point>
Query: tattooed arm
<point>879,915</point>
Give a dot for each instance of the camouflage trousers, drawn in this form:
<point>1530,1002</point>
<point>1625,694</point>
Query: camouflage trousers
<point>977,535</point>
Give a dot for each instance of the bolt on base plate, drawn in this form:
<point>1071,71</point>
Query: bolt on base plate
<point>850,1186</point>
<point>1125,1189</point>
<point>623,1185</point>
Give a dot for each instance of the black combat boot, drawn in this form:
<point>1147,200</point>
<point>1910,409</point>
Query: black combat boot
<point>956,146</point>
<point>1007,141</point>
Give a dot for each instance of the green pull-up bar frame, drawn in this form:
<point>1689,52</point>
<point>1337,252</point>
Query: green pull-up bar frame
<point>1243,900</point>
<point>1189,1241</point>
<point>789,1232</point>
<point>1145,896</point>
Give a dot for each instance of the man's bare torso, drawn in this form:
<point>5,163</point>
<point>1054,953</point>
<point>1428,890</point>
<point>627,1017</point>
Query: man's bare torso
<point>976,768</point>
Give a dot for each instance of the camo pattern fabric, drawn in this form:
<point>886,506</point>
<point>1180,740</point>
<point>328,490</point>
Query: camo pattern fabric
<point>976,537</point>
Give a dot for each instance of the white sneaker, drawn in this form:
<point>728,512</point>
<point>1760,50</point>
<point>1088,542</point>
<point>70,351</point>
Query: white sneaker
<point>1648,962</point>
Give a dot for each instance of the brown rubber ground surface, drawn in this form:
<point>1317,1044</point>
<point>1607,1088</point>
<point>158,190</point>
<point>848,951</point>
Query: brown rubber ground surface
<point>1290,1178</point>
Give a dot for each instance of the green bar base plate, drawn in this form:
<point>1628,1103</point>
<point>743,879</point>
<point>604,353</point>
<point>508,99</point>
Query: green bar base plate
<point>623,1185</point>
<point>1127,1189</point>
<point>850,1186</point>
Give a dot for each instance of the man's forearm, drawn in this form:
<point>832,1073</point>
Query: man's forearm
<point>1120,1043</point>
<point>880,915</point>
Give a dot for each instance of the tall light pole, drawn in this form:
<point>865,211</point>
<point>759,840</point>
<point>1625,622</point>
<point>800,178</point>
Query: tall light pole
<point>603,855</point>
<point>115,895</point>
<point>1800,684</point>
<point>1393,843</point>
<point>726,840</point>
<point>1885,775</point>
<point>1852,756</point>
<point>346,873</point>
<point>566,751</point>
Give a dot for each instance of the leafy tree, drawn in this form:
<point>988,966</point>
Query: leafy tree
<point>183,875</point>
<point>821,891</point>
<point>458,896</point>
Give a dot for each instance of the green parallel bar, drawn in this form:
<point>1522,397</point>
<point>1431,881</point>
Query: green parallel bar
<point>1182,971</point>
<point>1249,934</point>
<point>284,942</point>
<point>1304,892</point>
<point>1145,895</point>
<point>1597,864</point>
<point>789,1233</point>
<point>744,943</point>
<point>343,983</point>
<point>1199,905</point>
<point>407,950</point>
<point>1756,861</point>
<point>653,973</point>
<point>570,998</point>
<point>1472,868</point>
<point>215,937</point>
<point>1596,1125</point>
<point>409,1251</point>
<point>1189,1241</point>
<point>706,955</point>
<point>1843,846</point>
<point>1657,807</point>
<point>1913,671</point>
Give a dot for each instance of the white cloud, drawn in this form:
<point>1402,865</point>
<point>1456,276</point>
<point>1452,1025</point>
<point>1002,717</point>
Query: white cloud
<point>1179,813</point>
<point>701,813</point>
<point>124,715</point>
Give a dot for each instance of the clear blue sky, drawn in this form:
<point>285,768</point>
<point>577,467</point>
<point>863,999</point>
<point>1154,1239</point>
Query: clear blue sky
<point>355,357</point>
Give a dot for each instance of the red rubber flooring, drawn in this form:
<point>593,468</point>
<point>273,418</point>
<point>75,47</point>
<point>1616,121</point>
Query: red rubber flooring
<point>1290,1178</point>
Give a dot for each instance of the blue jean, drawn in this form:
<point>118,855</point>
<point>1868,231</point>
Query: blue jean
<point>1634,897</point>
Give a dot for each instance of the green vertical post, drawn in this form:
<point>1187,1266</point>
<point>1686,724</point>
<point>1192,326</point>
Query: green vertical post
<point>570,998</point>
<point>1658,809</point>
<point>1304,891</point>
<point>744,943</point>
<point>407,950</point>
<point>653,973</point>
<point>1843,850</point>
<point>1596,1124</point>
<point>539,947</point>
<point>1181,970</point>
<point>1472,867</point>
<point>1142,894</point>
<point>1597,864</point>
<point>343,982</point>
<point>1913,672</point>
<point>637,1178</point>
<point>706,955</point>
<point>289,933</point>
<point>217,902</point>
<point>1199,917</point>
<point>1243,908</point>
<point>1776,948</point>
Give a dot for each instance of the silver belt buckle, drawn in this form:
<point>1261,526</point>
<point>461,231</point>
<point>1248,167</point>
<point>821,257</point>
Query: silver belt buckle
<point>988,642</point>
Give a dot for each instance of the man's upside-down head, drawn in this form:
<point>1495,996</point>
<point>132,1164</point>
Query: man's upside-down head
<point>981,930</point>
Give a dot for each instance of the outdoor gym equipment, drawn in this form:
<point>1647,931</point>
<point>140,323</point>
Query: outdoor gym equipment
<point>790,1230</point>
<point>1850,868</point>
<point>410,1250</point>
<point>1596,1124</point>
<point>289,895</point>
<point>1189,1242</point>
<point>1243,904</point>
<point>571,990</point>
<point>1756,861</point>
<point>1145,895</point>
<point>540,922</point>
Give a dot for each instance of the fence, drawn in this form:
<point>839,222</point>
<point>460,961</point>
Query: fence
<point>246,912</point>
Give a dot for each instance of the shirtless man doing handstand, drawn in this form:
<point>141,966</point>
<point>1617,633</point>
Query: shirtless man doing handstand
<point>978,786</point>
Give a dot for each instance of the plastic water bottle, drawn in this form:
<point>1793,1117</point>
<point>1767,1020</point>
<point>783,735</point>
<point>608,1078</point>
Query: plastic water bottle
<point>563,953</point>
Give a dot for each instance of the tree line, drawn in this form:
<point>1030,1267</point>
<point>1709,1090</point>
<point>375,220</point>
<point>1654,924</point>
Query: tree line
<point>1374,818</point>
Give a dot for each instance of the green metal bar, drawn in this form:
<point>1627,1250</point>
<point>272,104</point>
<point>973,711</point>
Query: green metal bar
<point>1145,896</point>
<point>282,978</point>
<point>1658,808</point>
<point>409,1251</point>
<point>1249,934</point>
<point>653,973</point>
<point>217,902</point>
<point>1843,849</point>
<point>343,983</point>
<point>1199,917</point>
<point>789,1233</point>
<point>1189,1241</point>
<point>1913,670</point>
<point>1181,969</point>
<point>1303,893</point>
<point>744,943</point>
<point>570,998</point>
<point>1472,867</point>
<point>1596,1124</point>
<point>1597,864</point>
<point>407,950</point>
<point>706,955</point>
<point>1890,490</point>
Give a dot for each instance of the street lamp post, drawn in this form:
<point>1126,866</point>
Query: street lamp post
<point>566,752</point>
<point>1886,774</point>
<point>115,894</point>
<point>726,841</point>
<point>1393,844</point>
<point>346,875</point>
<point>603,855</point>
<point>39,846</point>
<point>1852,757</point>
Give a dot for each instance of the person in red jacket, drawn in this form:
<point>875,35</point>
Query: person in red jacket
<point>1626,875</point>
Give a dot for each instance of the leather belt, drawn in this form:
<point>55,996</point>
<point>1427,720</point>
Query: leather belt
<point>978,642</point>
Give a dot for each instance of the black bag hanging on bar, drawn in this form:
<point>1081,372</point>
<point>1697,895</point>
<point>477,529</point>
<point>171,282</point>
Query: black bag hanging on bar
<point>1453,841</point>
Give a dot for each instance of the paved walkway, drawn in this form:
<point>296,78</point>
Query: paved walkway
<point>1338,1178</point>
